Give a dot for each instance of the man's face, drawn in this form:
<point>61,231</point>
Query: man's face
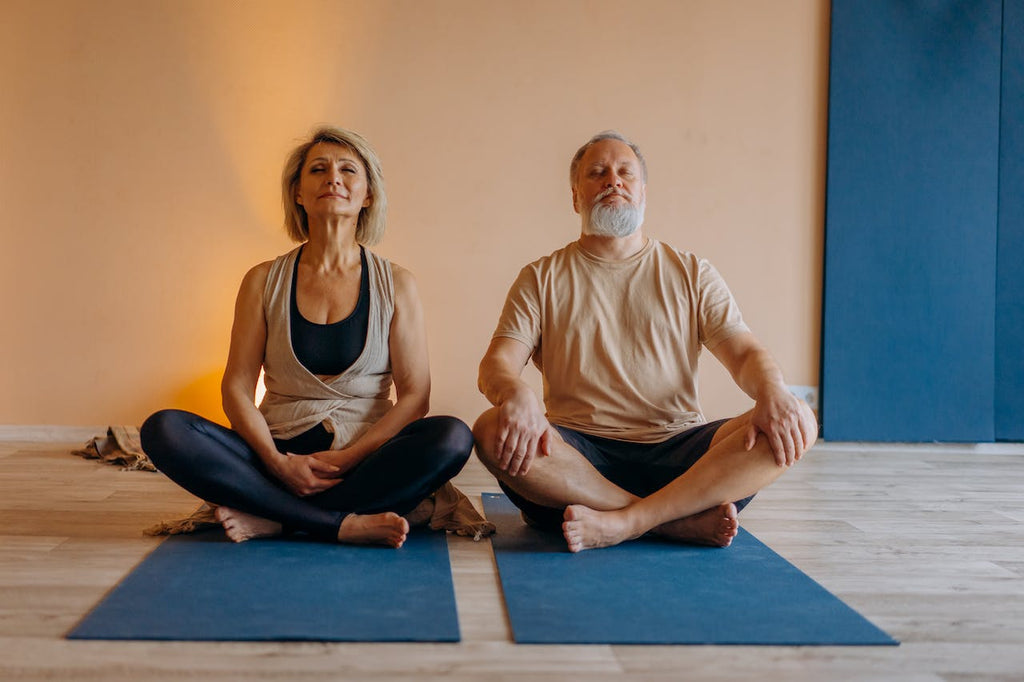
<point>609,193</point>
<point>610,170</point>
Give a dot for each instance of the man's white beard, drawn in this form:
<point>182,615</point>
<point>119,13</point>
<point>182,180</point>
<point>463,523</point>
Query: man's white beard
<point>606,220</point>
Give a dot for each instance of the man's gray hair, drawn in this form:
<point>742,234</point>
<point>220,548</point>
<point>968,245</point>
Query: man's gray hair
<point>605,135</point>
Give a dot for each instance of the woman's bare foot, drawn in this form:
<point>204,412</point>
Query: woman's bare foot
<point>387,528</point>
<point>586,528</point>
<point>240,526</point>
<point>421,514</point>
<point>716,527</point>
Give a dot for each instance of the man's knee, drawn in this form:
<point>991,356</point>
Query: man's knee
<point>484,430</point>
<point>811,420</point>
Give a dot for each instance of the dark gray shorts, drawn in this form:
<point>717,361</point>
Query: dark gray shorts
<point>640,468</point>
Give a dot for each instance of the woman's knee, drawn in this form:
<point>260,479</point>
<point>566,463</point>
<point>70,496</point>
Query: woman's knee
<point>159,426</point>
<point>452,438</point>
<point>163,433</point>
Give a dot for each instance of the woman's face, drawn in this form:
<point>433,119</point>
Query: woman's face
<point>333,182</point>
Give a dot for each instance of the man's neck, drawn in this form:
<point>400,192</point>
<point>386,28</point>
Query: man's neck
<point>613,248</point>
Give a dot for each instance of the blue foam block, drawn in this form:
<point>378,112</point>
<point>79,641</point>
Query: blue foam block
<point>655,592</point>
<point>204,587</point>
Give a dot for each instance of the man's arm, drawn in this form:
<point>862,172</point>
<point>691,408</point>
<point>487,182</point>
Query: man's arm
<point>523,432</point>
<point>785,421</point>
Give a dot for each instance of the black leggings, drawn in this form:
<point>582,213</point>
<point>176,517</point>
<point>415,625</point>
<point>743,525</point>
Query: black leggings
<point>217,465</point>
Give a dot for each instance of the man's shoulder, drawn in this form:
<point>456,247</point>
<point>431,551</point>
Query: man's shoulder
<point>555,260</point>
<point>686,260</point>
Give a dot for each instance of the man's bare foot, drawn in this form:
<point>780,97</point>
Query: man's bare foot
<point>240,526</point>
<point>387,528</point>
<point>716,527</point>
<point>586,528</point>
<point>421,514</point>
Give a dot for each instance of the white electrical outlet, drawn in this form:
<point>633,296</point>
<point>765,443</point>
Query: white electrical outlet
<point>809,394</point>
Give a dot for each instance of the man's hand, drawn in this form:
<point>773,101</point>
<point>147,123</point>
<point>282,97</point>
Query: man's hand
<point>522,434</point>
<point>786,422</point>
<point>304,475</point>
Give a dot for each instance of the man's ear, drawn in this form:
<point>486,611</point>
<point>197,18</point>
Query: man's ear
<point>575,200</point>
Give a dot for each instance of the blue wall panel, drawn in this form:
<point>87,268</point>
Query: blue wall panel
<point>1009,396</point>
<point>911,226</point>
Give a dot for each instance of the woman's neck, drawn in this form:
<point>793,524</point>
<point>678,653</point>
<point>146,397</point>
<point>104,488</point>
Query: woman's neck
<point>331,246</point>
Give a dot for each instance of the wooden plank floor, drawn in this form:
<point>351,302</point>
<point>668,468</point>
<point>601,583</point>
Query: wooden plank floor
<point>926,542</point>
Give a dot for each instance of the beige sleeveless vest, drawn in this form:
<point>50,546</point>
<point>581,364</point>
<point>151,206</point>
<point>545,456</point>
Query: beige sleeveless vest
<point>347,404</point>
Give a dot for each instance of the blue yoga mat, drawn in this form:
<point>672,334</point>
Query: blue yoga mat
<point>205,587</point>
<point>656,592</point>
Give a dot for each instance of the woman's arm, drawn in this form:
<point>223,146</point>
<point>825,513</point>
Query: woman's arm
<point>238,390</point>
<point>410,370</point>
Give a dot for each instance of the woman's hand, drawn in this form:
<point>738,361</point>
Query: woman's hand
<point>305,475</point>
<point>342,461</point>
<point>410,371</point>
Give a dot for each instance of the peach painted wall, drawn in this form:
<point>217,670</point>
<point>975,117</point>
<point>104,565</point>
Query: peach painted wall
<point>141,146</point>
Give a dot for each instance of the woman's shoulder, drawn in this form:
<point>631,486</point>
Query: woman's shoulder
<point>257,274</point>
<point>254,284</point>
<point>405,281</point>
<point>403,285</point>
<point>401,277</point>
<point>400,273</point>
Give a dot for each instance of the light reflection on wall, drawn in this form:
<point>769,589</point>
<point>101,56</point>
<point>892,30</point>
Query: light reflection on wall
<point>261,389</point>
<point>264,74</point>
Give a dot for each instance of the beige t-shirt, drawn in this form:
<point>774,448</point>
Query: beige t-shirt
<point>617,342</point>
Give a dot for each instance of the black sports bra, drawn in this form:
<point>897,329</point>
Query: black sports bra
<point>330,349</point>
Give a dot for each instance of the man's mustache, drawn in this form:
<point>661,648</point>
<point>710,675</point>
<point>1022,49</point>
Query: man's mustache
<point>613,191</point>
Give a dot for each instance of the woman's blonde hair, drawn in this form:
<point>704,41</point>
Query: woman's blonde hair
<point>370,225</point>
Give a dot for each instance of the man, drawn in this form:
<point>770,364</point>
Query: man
<point>615,322</point>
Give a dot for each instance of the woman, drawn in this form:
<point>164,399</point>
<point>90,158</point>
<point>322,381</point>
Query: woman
<point>333,325</point>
